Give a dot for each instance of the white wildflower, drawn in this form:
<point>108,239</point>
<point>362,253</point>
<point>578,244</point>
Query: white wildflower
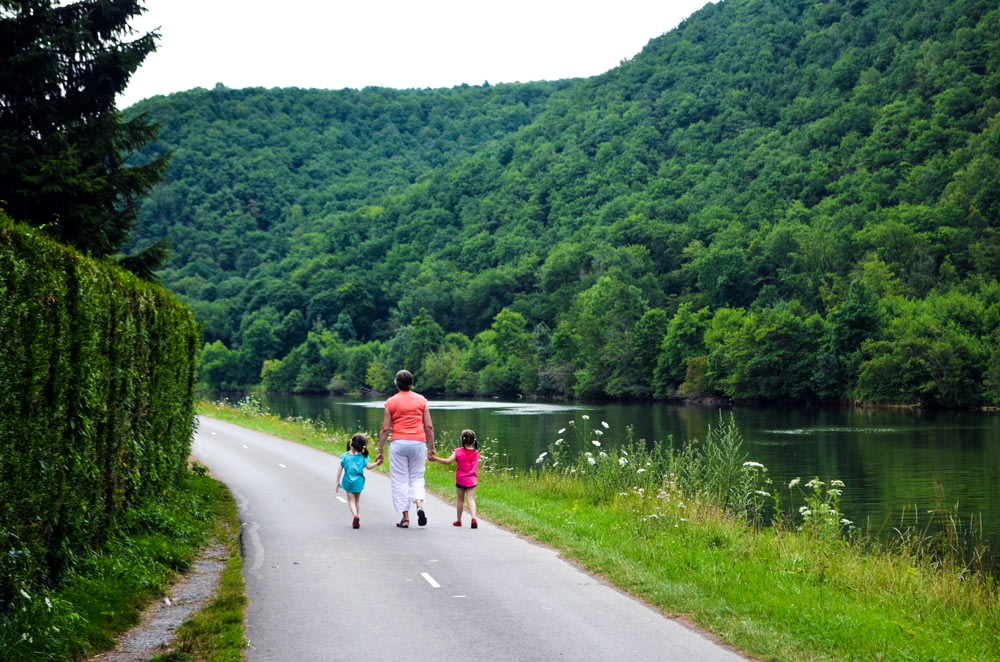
<point>585,417</point>
<point>846,522</point>
<point>561,431</point>
<point>814,484</point>
<point>591,460</point>
<point>605,424</point>
<point>762,493</point>
<point>596,443</point>
<point>837,483</point>
<point>541,457</point>
<point>640,470</point>
<point>753,465</point>
<point>622,462</point>
<point>794,482</point>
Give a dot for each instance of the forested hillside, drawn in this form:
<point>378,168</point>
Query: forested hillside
<point>777,200</point>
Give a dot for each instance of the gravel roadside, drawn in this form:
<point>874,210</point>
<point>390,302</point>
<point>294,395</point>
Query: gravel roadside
<point>155,634</point>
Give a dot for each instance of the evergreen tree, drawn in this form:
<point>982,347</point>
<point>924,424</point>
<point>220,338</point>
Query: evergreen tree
<point>64,146</point>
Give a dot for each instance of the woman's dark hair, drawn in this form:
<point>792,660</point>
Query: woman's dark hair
<point>469,439</point>
<point>359,442</point>
<point>404,380</point>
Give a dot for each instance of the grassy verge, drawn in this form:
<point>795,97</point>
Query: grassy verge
<point>215,634</point>
<point>684,532</point>
<point>109,588</point>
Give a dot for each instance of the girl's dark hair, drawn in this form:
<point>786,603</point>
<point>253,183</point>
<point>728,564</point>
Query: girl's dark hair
<point>469,439</point>
<point>404,380</point>
<point>359,442</point>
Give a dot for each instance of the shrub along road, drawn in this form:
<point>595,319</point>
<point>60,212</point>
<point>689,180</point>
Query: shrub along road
<point>320,590</point>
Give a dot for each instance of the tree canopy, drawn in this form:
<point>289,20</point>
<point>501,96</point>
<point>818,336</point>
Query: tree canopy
<point>64,147</point>
<point>770,201</point>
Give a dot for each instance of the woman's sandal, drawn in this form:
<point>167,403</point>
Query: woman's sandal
<point>403,523</point>
<point>421,518</point>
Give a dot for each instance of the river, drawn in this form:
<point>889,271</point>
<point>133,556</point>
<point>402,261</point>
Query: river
<point>897,465</point>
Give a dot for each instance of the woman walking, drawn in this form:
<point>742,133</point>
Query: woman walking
<point>407,419</point>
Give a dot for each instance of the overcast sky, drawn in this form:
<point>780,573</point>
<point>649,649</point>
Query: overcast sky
<point>403,44</point>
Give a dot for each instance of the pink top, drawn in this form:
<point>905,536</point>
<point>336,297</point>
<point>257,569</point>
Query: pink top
<point>407,411</point>
<point>466,467</point>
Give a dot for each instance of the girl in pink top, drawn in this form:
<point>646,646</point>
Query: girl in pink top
<point>466,461</point>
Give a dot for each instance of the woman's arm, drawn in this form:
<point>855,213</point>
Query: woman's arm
<point>429,432</point>
<point>383,434</point>
<point>375,463</point>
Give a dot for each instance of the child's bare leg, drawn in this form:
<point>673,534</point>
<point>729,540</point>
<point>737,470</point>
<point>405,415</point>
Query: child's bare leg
<point>459,502</point>
<point>354,502</point>
<point>470,494</point>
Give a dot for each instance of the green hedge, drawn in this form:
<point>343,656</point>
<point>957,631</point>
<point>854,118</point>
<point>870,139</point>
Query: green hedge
<point>97,373</point>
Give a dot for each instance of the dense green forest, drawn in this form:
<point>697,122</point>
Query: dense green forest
<point>777,200</point>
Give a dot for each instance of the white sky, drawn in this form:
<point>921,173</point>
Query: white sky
<point>336,44</point>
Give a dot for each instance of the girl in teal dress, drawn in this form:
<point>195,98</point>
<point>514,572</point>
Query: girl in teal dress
<point>351,475</point>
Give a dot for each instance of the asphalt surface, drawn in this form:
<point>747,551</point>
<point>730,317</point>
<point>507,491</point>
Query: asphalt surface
<point>321,591</point>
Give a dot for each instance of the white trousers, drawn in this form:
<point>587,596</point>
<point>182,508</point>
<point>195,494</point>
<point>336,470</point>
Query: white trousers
<point>406,472</point>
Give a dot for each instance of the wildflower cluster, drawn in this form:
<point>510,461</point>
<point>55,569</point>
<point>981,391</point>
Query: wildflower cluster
<point>821,512</point>
<point>491,460</point>
<point>609,469</point>
<point>34,625</point>
<point>756,497</point>
<point>251,406</point>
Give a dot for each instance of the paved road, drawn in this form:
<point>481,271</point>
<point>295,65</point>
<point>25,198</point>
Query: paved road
<point>321,591</point>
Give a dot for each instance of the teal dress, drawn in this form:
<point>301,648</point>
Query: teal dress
<point>354,472</point>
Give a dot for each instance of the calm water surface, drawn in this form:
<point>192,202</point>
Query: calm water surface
<point>897,465</point>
